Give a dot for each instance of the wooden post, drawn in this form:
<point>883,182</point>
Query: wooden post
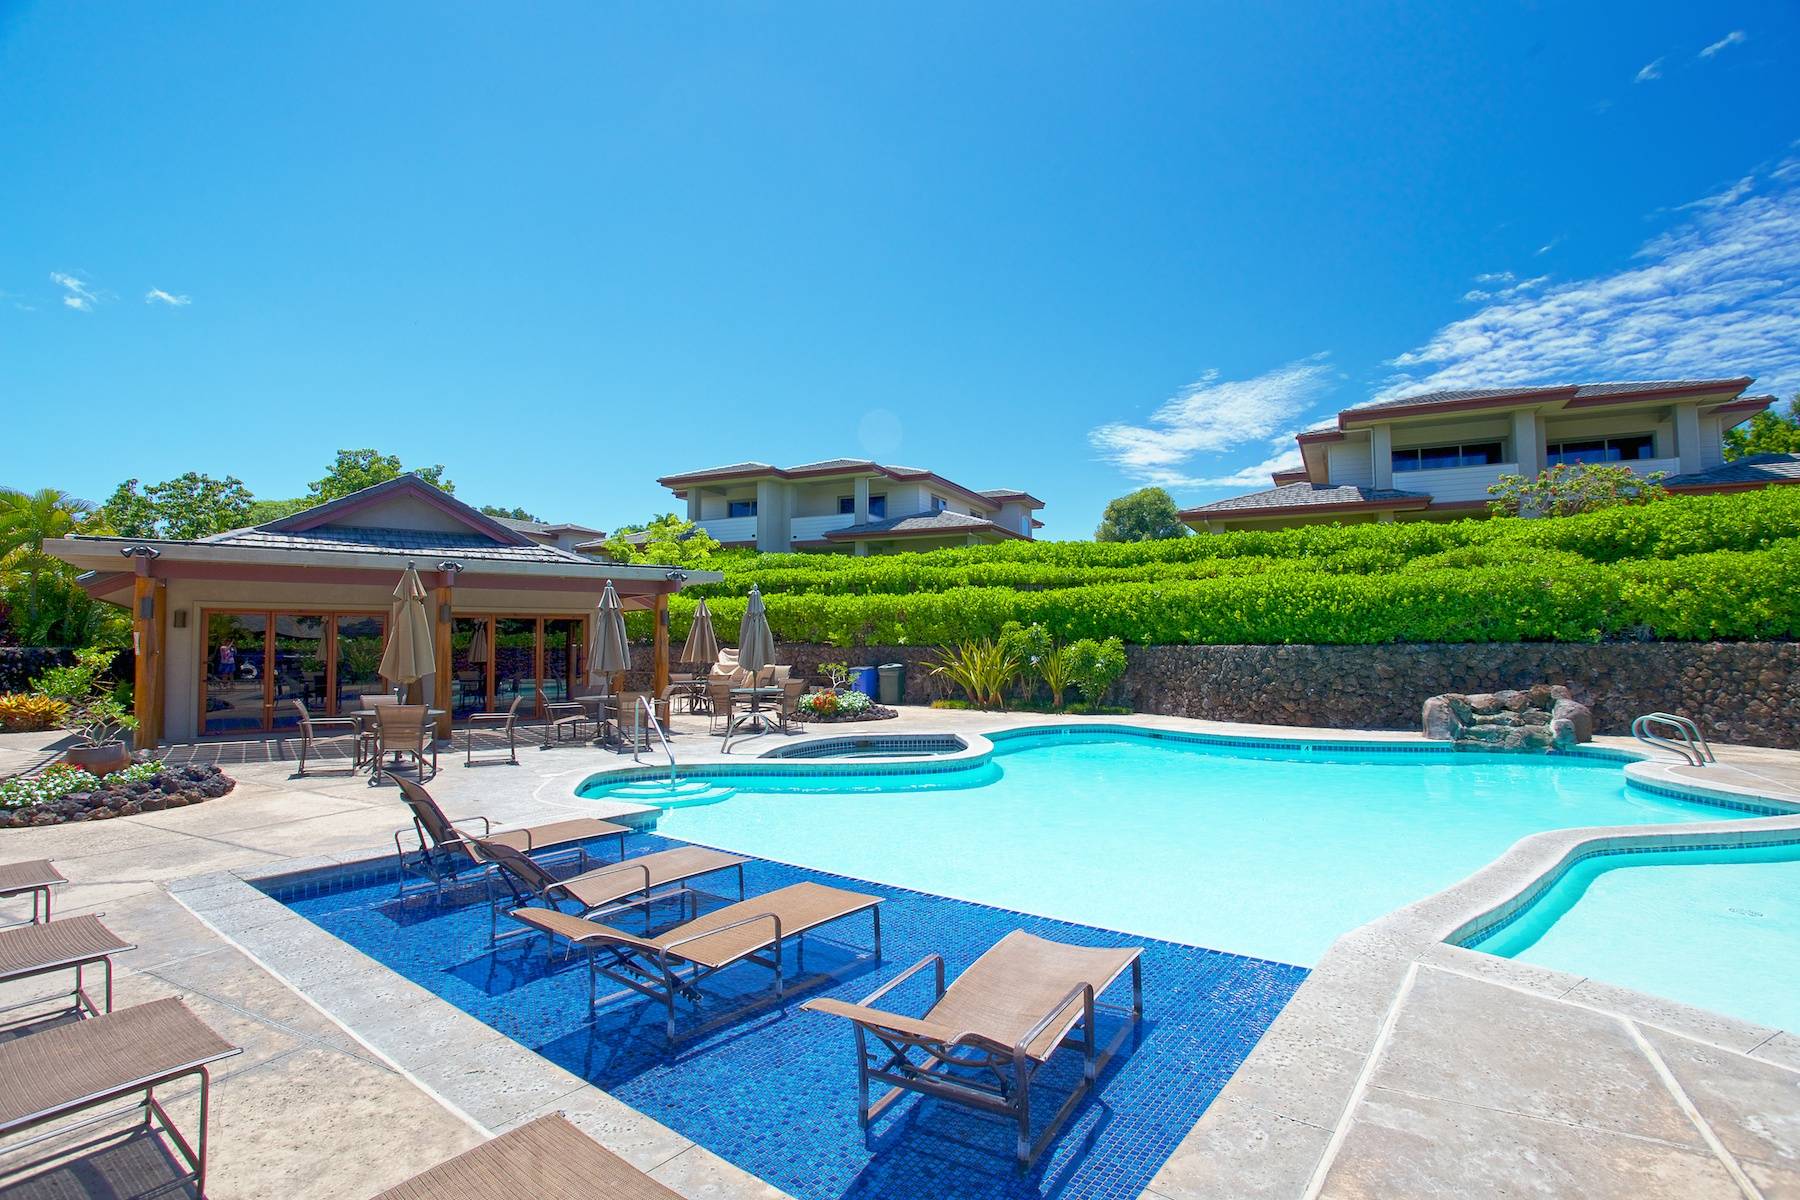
<point>443,621</point>
<point>659,659</point>
<point>148,599</point>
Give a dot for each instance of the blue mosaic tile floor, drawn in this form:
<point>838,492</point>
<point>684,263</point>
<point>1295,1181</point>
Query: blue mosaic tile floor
<point>773,1089</point>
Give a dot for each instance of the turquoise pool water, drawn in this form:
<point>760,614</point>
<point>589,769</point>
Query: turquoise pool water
<point>1715,928</point>
<point>1266,852</point>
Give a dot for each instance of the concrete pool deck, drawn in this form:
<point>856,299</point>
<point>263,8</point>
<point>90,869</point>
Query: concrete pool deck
<point>1403,1067</point>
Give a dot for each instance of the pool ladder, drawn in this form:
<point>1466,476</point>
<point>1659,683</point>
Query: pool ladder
<point>1676,734</point>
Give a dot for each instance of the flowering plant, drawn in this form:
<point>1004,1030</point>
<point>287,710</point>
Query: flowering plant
<point>835,704</point>
<point>61,780</point>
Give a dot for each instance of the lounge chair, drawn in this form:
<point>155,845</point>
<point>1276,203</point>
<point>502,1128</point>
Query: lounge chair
<point>445,850</point>
<point>35,877</point>
<point>84,1064</point>
<point>404,729</point>
<point>503,722</point>
<point>545,1159</point>
<point>1006,1015</point>
<point>314,730</point>
<point>72,943</point>
<point>674,962</point>
<point>631,883</point>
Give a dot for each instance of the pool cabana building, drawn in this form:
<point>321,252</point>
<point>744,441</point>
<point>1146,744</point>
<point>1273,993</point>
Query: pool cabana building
<point>230,629</point>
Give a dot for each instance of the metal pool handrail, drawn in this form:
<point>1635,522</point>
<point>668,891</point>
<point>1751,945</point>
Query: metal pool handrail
<point>639,711</point>
<point>1688,741</point>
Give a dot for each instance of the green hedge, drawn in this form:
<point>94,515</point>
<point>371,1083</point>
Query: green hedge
<point>1685,568</point>
<point>1722,594</point>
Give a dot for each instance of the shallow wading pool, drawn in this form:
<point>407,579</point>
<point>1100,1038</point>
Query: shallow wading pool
<point>1272,851</point>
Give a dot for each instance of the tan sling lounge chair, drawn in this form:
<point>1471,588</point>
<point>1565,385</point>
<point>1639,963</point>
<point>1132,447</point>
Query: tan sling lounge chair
<point>72,943</point>
<point>444,850</point>
<point>34,876</point>
<point>84,1064</point>
<point>631,883</point>
<point>673,963</point>
<point>1007,1014</point>
<point>546,1159</point>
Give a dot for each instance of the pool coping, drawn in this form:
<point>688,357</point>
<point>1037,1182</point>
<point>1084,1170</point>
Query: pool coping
<point>1276,1126</point>
<point>1266,1133</point>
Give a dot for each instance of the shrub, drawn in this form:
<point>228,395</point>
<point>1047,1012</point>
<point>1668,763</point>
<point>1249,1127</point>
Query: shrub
<point>1096,666</point>
<point>23,712</point>
<point>983,669</point>
<point>95,711</point>
<point>1564,490</point>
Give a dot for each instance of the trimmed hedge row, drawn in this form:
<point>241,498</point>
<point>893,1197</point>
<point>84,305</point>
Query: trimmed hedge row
<point>1496,595</point>
<point>1670,529</point>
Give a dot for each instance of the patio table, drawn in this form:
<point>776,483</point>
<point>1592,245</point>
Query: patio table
<point>759,717</point>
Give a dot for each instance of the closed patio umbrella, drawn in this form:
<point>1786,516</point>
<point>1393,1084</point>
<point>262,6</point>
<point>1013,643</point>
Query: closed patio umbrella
<point>756,644</point>
<point>608,651</point>
<point>702,645</point>
<point>478,644</point>
<point>408,657</point>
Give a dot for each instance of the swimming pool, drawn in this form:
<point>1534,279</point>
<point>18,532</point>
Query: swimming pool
<point>1266,850</point>
<point>1715,928</point>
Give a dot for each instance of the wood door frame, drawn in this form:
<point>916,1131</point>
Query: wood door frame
<point>328,615</point>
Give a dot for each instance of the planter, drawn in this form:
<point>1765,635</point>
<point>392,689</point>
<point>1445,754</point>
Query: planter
<point>99,760</point>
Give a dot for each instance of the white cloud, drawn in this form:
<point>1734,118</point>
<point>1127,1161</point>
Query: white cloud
<point>76,292</point>
<point>1210,416</point>
<point>158,296</point>
<point>1649,71</point>
<point>1286,458</point>
<point>1734,38</point>
<point>1547,247</point>
<point>1514,286</point>
<point>1717,295</point>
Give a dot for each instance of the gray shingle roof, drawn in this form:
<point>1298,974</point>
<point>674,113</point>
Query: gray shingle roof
<point>941,522</point>
<point>353,539</point>
<point>1757,468</point>
<point>1298,495</point>
<point>1582,391</point>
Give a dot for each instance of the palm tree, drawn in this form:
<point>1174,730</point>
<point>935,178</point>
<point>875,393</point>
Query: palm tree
<point>27,521</point>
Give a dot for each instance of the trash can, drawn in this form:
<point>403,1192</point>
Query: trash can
<point>865,681</point>
<point>893,683</point>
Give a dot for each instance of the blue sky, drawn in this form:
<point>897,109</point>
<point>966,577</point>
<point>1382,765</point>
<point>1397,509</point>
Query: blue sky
<point>566,248</point>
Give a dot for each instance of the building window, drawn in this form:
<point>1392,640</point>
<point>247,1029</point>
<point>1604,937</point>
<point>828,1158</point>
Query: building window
<point>1631,447</point>
<point>740,508</point>
<point>938,503</point>
<point>1438,458</point>
<point>877,506</point>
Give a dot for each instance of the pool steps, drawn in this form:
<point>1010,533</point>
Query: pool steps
<point>687,793</point>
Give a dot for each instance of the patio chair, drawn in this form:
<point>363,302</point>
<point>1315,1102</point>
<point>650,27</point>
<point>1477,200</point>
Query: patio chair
<point>72,943</point>
<point>565,717</point>
<point>787,705</point>
<point>404,729</point>
<point>444,850</point>
<point>673,963</point>
<point>314,730</point>
<point>634,730</point>
<point>629,883</point>
<point>1006,1015</point>
<point>34,877</point>
<point>84,1064</point>
<point>545,1159</point>
<point>504,722</point>
<point>720,702</point>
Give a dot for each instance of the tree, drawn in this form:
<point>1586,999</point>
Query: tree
<point>263,511</point>
<point>515,513</point>
<point>189,506</point>
<point>355,470</point>
<point>1146,515</point>
<point>1564,490</point>
<point>44,604</point>
<point>1766,433</point>
<point>669,541</point>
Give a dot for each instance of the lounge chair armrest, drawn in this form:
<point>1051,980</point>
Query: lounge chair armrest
<point>349,723</point>
<point>930,959</point>
<point>494,718</point>
<point>1081,991</point>
<point>875,1018</point>
<point>487,827</point>
<point>615,869</point>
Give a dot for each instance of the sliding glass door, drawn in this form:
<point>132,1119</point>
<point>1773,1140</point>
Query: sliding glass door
<point>259,663</point>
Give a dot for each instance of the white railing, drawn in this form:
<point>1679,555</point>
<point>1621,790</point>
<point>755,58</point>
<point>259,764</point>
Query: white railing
<point>811,529</point>
<point>1454,483</point>
<point>731,529</point>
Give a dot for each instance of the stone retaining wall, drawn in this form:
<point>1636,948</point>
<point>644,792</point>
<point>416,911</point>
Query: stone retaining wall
<point>1745,692</point>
